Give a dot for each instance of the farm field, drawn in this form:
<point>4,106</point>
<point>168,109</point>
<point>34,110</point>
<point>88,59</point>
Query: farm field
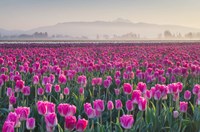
<point>107,87</point>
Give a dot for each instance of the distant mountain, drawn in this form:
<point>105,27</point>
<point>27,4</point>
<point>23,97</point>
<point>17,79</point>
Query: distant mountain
<point>117,27</point>
<point>10,32</point>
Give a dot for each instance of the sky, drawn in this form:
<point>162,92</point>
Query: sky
<point>28,14</point>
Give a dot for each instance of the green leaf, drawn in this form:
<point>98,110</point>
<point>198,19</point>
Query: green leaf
<point>60,128</point>
<point>192,106</point>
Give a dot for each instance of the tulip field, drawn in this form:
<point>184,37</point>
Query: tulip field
<point>95,87</point>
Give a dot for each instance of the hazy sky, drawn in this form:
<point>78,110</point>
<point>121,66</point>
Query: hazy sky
<point>27,14</point>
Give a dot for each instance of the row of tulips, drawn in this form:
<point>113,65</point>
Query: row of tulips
<point>104,88</point>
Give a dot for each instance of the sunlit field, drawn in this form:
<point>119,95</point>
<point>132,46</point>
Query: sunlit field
<point>107,87</point>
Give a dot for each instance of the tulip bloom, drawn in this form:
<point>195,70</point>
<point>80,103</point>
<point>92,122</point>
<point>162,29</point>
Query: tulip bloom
<point>90,112</point>
<point>142,104</point>
<point>26,90</point>
<point>175,114</point>
<point>35,79</point>
<point>14,117</point>
<point>110,105</point>
<point>142,87</point>
<point>129,105</point>
<point>81,125</point>
<point>57,88</point>
<point>9,92</point>
<point>126,121</point>
<point>66,109</point>
<point>136,94</point>
<point>187,95</point>
<point>51,119</point>
<point>23,112</point>
<point>30,123</point>
<point>66,91</point>
<point>81,91</point>
<point>8,126</point>
<point>183,107</point>
<point>118,104</point>
<point>62,79</point>
<point>12,100</point>
<point>41,107</point>
<point>40,91</point>
<point>70,122</point>
<point>48,88</point>
<point>127,87</point>
<point>99,105</point>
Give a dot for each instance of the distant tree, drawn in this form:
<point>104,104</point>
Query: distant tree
<point>189,35</point>
<point>167,34</point>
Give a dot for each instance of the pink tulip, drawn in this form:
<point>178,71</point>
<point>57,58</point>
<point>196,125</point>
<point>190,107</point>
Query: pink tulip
<point>126,121</point>
<point>110,105</point>
<point>81,125</point>
<point>99,81</point>
<point>94,81</point>
<point>90,112</point>
<point>127,87</point>
<point>23,112</point>
<point>148,94</point>
<point>66,91</point>
<point>70,122</point>
<point>51,119</point>
<point>19,85</point>
<point>12,100</point>
<point>117,82</point>
<point>82,80</point>
<point>117,91</point>
<point>81,90</point>
<point>129,105</point>
<point>48,88</point>
<point>187,95</point>
<point>35,79</point>
<point>57,88</point>
<point>175,114</point>
<point>50,107</point>
<point>106,83</point>
<point>26,90</point>
<point>157,95</point>
<point>66,109</point>
<point>118,104</point>
<point>41,107</point>
<point>142,104</point>
<point>62,79</point>
<point>40,91</point>
<point>142,87</point>
<point>8,126</point>
<point>196,89</point>
<point>99,105</point>
<point>15,118</point>
<point>30,123</point>
<point>183,107</point>
<point>136,94</point>
<point>9,92</point>
<point>86,106</point>
<point>45,80</point>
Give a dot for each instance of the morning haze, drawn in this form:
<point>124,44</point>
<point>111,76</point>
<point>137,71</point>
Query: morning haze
<point>104,19</point>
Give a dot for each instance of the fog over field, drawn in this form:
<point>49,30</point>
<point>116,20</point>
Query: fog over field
<point>103,20</point>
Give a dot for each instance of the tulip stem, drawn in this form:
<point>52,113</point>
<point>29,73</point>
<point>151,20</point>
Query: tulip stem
<point>92,126</point>
<point>157,107</point>
<point>99,92</point>
<point>179,130</point>
<point>35,93</point>
<point>0,91</point>
<point>110,120</point>
<point>27,100</point>
<point>118,114</point>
